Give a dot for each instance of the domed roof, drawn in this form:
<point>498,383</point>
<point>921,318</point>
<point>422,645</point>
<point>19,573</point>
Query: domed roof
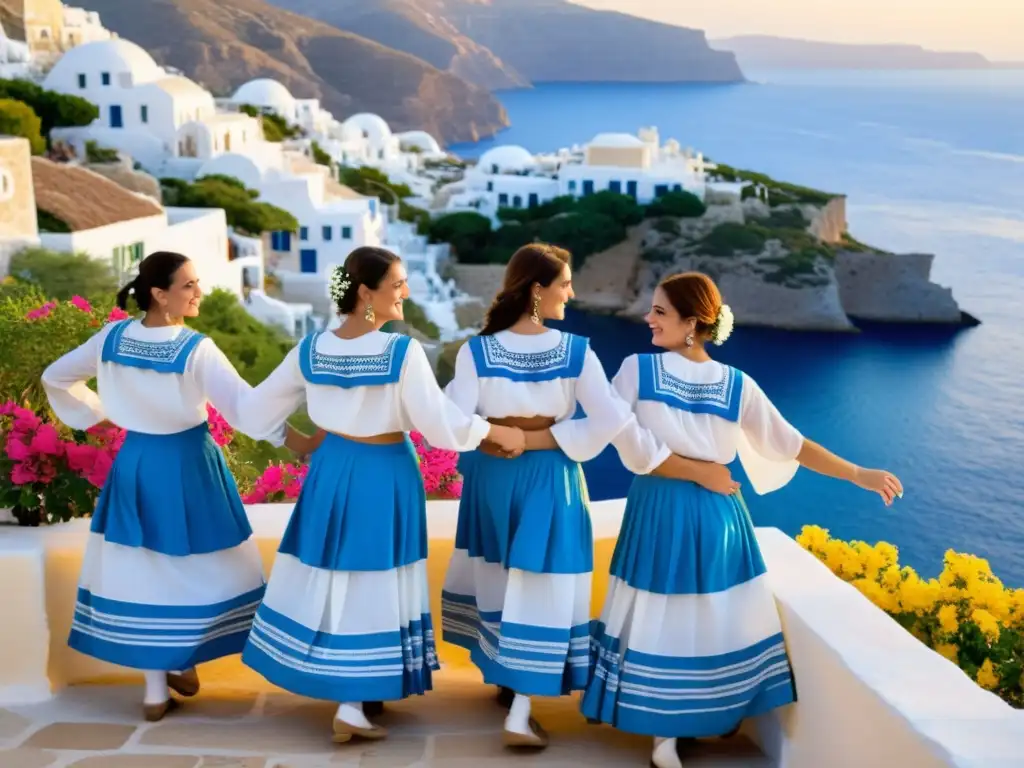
<point>420,139</point>
<point>507,158</point>
<point>373,127</point>
<point>616,140</point>
<point>116,56</point>
<point>266,93</point>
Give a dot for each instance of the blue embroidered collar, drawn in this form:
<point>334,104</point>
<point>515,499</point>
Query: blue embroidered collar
<point>720,398</point>
<point>353,370</point>
<point>162,356</point>
<point>563,361</point>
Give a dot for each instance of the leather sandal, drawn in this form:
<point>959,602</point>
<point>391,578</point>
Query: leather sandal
<point>344,732</point>
<point>154,713</point>
<point>536,739</point>
<point>184,684</point>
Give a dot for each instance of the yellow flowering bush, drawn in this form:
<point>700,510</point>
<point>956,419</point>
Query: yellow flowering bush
<point>966,614</point>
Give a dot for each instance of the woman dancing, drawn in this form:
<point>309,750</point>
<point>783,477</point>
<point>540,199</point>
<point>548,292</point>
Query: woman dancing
<point>689,642</point>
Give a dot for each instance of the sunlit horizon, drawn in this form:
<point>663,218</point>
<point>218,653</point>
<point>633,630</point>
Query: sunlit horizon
<point>993,28</point>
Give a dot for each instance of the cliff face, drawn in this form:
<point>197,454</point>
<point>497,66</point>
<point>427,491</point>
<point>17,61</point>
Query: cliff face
<point>893,288</point>
<point>224,43</point>
<point>508,43</point>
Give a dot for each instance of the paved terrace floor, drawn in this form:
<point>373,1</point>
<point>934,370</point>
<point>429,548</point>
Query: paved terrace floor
<point>239,720</point>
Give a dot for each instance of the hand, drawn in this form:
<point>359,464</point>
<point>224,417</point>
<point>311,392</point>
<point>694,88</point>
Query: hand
<point>717,479</point>
<point>885,484</point>
<point>511,440</point>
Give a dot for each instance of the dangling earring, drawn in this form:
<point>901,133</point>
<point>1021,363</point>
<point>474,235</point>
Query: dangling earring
<point>689,340</point>
<point>368,314</point>
<point>535,316</point>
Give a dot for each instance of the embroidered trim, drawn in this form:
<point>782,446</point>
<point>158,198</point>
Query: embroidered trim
<point>384,367</point>
<point>163,356</point>
<point>721,398</point>
<point>563,361</point>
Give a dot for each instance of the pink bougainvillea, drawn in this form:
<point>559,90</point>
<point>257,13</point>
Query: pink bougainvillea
<point>278,483</point>
<point>440,469</point>
<point>80,303</point>
<point>117,314</point>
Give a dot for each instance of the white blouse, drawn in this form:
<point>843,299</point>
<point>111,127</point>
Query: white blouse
<point>765,442</point>
<point>496,397</point>
<point>143,400</point>
<point>414,402</point>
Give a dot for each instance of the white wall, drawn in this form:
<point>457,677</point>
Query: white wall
<point>571,178</point>
<point>117,244</point>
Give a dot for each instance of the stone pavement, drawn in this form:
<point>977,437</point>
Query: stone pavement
<point>243,722</point>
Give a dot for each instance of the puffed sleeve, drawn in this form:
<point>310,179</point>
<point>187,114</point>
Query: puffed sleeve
<point>224,388</point>
<point>607,413</point>
<point>768,444</point>
<point>464,388</point>
<point>64,381</point>
<point>443,423</point>
<point>639,450</point>
<point>263,410</point>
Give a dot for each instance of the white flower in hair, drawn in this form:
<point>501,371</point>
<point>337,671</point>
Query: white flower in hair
<point>722,329</point>
<point>340,283</point>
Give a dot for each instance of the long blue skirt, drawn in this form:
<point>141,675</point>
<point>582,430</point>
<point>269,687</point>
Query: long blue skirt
<point>517,592</point>
<point>170,578</point>
<point>689,642</point>
<point>346,616</point>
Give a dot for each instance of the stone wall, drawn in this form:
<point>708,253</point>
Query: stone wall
<point>893,288</point>
<point>17,200</point>
<point>480,280</point>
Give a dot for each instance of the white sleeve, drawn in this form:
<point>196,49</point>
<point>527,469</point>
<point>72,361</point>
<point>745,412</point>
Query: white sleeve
<point>607,413</point>
<point>224,388</point>
<point>263,410</point>
<point>768,444</point>
<point>443,423</point>
<point>639,450</point>
<point>64,381</point>
<point>464,388</point>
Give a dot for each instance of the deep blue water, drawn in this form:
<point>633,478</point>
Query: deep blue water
<point>931,162</point>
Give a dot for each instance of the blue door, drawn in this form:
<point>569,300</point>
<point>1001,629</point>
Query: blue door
<point>534,200</point>
<point>115,116</point>
<point>307,260</point>
<point>588,187</point>
<point>631,189</point>
<point>615,186</point>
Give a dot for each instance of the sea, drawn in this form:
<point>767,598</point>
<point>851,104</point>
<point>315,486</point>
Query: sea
<point>931,162</point>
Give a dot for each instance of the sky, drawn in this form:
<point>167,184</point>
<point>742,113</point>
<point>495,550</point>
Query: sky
<point>994,28</point>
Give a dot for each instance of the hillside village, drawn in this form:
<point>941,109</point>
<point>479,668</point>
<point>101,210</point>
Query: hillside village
<point>110,154</point>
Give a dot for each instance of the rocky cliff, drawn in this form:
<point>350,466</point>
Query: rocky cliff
<point>224,43</point>
<point>507,43</point>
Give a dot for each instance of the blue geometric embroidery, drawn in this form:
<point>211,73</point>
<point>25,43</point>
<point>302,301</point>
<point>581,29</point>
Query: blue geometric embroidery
<point>719,398</point>
<point>353,370</point>
<point>161,356</point>
<point>563,361</point>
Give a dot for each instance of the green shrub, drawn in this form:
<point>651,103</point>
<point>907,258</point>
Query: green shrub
<point>679,204</point>
<point>94,153</point>
<point>667,226</point>
<point>55,110</point>
<point>582,234</point>
<point>319,156</point>
<point>18,119</point>
<point>275,127</point>
<point>373,183</point>
<point>62,275</point>
<point>622,209</point>
<point>243,212</point>
<point>730,238</point>
<point>467,232</point>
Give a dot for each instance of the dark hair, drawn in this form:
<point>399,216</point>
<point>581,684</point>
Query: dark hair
<point>694,294</point>
<point>534,263</point>
<point>366,265</point>
<point>155,271</point>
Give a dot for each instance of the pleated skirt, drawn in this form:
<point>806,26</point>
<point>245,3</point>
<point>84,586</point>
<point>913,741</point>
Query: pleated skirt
<point>517,591</point>
<point>346,616</point>
<point>689,642</point>
<point>170,577</point>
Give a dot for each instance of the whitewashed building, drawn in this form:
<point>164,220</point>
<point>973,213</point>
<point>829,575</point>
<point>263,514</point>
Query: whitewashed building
<point>15,57</point>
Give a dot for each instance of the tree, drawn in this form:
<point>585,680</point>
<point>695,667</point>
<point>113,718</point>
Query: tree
<point>55,110</point>
<point>622,208</point>
<point>468,233</point>
<point>679,204</point>
<point>18,119</point>
<point>582,233</point>
<point>63,275</point>
<point>243,212</point>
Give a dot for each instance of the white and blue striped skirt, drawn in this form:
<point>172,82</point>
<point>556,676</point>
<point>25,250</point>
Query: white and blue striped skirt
<point>346,616</point>
<point>689,642</point>
<point>170,578</point>
<point>517,592</point>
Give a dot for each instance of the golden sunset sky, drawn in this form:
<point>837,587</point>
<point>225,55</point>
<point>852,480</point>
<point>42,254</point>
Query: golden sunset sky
<point>994,28</point>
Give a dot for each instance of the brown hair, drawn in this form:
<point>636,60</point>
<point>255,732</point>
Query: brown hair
<point>366,265</point>
<point>694,294</point>
<point>534,263</point>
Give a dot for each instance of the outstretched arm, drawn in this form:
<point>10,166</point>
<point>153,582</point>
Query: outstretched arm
<point>819,459</point>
